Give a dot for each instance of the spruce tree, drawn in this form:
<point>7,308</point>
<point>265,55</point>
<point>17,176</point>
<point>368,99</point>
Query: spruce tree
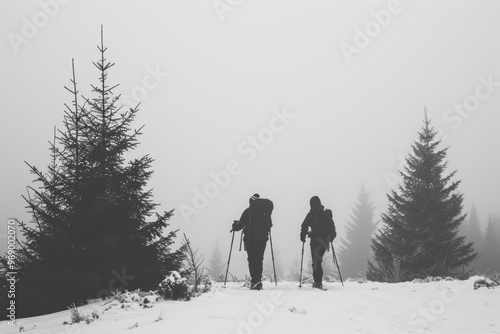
<point>94,226</point>
<point>356,251</point>
<point>216,264</point>
<point>419,236</point>
<point>490,251</point>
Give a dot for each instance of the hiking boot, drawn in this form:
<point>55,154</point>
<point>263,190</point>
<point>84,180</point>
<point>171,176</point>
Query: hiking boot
<point>256,286</point>
<point>318,285</point>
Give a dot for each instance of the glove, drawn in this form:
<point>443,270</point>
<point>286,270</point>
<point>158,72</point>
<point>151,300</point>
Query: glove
<point>303,236</point>
<point>234,226</point>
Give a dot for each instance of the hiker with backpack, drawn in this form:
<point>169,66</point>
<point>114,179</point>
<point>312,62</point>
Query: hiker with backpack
<point>256,224</point>
<point>322,233</point>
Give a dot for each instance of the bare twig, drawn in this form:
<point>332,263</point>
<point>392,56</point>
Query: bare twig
<point>194,263</point>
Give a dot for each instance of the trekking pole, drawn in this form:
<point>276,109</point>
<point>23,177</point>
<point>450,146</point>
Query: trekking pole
<point>229,259</point>
<point>335,260</point>
<point>272,257</point>
<point>301,261</point>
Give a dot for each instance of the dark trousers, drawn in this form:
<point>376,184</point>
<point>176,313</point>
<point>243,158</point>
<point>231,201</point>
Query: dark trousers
<point>318,249</point>
<point>255,252</point>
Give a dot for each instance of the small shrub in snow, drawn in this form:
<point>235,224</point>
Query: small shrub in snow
<point>127,297</point>
<point>495,277</point>
<point>150,299</point>
<point>131,300</point>
<point>247,284</point>
<point>174,287</point>
<point>77,316</point>
<point>204,287</point>
<point>485,282</point>
<point>207,284</point>
<point>435,279</point>
<point>95,315</point>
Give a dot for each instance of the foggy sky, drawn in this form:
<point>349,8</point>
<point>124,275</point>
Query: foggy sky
<point>209,87</point>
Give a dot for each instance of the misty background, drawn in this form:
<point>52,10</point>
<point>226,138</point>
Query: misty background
<point>353,121</point>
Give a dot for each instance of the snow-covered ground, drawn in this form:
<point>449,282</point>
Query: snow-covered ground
<point>433,307</point>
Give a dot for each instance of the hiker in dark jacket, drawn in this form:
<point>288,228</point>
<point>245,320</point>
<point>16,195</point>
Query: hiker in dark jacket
<point>256,223</point>
<point>322,233</point>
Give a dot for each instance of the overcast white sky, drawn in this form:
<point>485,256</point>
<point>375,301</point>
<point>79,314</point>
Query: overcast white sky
<point>353,118</point>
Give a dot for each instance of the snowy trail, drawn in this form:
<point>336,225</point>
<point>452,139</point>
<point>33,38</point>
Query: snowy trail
<point>435,307</point>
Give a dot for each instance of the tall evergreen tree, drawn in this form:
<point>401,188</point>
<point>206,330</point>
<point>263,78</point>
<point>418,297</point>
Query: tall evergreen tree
<point>356,251</point>
<point>419,237</point>
<point>94,225</point>
<point>490,251</point>
<point>216,265</point>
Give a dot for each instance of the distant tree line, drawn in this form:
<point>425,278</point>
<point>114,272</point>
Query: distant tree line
<point>486,243</point>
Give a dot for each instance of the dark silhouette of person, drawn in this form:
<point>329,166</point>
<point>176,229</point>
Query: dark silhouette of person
<point>321,234</point>
<point>256,224</point>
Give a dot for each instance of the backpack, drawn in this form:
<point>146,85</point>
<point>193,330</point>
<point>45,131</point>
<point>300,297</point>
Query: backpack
<point>324,225</point>
<point>260,218</point>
